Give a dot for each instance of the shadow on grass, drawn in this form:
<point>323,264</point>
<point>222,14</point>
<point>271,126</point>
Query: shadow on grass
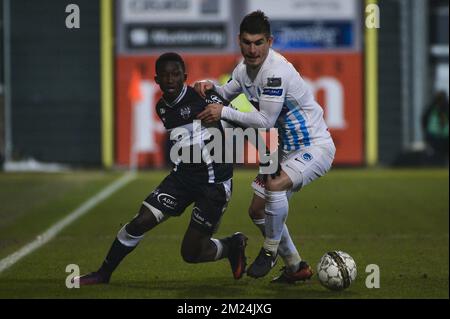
<point>222,288</point>
<point>245,288</point>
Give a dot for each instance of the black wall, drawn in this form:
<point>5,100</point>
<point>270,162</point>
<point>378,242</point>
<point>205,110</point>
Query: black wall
<point>390,83</point>
<point>55,82</point>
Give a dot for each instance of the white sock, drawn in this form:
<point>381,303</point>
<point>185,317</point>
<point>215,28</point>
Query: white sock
<point>127,239</point>
<point>277,208</point>
<point>288,251</point>
<point>261,224</point>
<point>219,246</point>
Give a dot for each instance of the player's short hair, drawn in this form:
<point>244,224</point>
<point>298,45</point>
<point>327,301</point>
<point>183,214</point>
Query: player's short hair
<point>256,23</point>
<point>169,57</point>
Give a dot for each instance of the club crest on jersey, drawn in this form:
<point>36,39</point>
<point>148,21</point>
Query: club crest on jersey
<point>307,156</point>
<point>185,112</point>
<point>274,82</point>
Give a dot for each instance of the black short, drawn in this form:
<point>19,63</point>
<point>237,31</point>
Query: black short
<point>175,194</point>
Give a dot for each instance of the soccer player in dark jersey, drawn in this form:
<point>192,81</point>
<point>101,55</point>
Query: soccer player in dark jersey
<point>206,184</point>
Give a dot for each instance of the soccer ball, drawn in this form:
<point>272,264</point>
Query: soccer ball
<point>336,270</point>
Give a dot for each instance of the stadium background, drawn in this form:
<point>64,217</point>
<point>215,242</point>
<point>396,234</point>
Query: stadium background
<point>67,100</point>
<point>77,99</point>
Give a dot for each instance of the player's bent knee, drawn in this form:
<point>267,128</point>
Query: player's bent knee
<point>189,256</point>
<point>193,245</point>
<point>190,259</point>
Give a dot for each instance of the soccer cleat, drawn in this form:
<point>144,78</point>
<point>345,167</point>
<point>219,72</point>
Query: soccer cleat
<point>236,254</point>
<point>303,273</point>
<point>94,278</point>
<point>262,264</point>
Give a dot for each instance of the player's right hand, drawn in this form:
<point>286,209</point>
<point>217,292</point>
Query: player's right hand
<point>202,86</point>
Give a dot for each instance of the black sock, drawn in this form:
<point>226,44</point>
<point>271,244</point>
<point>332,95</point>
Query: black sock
<point>116,254</point>
<point>226,243</point>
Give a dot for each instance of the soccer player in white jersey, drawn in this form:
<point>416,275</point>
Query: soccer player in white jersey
<point>282,100</point>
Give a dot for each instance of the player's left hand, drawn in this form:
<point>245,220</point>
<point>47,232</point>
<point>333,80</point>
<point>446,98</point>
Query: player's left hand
<point>212,113</point>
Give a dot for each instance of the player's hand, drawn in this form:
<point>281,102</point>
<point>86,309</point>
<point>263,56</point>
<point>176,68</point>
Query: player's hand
<point>202,86</point>
<point>212,113</point>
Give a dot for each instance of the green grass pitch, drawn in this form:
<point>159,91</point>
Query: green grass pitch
<point>396,219</point>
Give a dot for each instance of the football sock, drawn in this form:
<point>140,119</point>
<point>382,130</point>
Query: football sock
<point>277,208</point>
<point>222,247</point>
<point>286,248</point>
<point>261,224</point>
<point>120,248</point>
<point>288,251</point>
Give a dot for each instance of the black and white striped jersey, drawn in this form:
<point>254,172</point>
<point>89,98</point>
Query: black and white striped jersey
<point>188,136</point>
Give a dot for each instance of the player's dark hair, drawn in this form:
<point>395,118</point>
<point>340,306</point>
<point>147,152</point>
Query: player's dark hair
<point>256,23</point>
<point>169,57</point>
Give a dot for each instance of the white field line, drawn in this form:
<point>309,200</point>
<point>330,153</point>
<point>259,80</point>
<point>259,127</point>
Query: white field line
<point>50,233</point>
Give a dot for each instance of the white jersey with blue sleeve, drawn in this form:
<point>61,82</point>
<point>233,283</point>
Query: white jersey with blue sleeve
<point>283,100</point>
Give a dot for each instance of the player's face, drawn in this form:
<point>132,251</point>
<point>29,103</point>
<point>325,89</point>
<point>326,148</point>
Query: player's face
<point>254,48</point>
<point>171,79</point>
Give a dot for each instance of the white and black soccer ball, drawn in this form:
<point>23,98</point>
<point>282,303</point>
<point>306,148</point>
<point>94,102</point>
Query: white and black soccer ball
<point>336,270</point>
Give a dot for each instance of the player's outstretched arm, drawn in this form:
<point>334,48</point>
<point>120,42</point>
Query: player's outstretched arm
<point>266,117</point>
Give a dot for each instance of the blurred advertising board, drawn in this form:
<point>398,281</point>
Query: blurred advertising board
<point>306,9</point>
<point>312,24</point>
<point>306,35</point>
<point>142,36</point>
<point>163,11</point>
<point>164,24</point>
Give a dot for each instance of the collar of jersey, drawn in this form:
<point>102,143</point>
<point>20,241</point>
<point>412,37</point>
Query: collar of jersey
<point>178,99</point>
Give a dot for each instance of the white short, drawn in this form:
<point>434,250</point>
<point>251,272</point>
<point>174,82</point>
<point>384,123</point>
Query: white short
<point>302,166</point>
